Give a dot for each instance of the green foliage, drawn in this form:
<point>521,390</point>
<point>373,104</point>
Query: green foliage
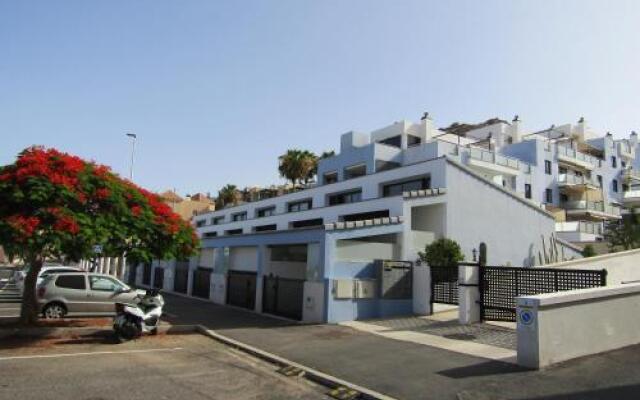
<point>229,194</point>
<point>442,252</point>
<point>298,166</point>
<point>588,251</point>
<point>55,205</point>
<point>624,234</point>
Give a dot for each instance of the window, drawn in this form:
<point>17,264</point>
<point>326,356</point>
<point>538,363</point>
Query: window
<point>395,141</point>
<point>413,140</point>
<point>239,217</point>
<point>330,177</point>
<point>562,170</point>
<point>625,187</point>
<point>564,198</point>
<point>547,167</point>
<point>344,198</point>
<point>623,164</point>
<point>299,206</point>
<point>365,216</point>
<point>548,196</point>
<point>266,212</point>
<point>614,162</point>
<point>614,185</point>
<point>233,232</point>
<point>386,165</point>
<point>527,190</point>
<point>104,284</point>
<point>200,223</point>
<point>210,234</point>
<point>395,189</point>
<point>265,228</point>
<point>217,220</point>
<point>296,253</point>
<point>599,180</point>
<point>355,171</point>
<point>71,282</point>
<point>307,223</point>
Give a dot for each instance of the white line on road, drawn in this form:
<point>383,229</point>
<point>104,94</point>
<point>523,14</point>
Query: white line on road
<point>87,354</point>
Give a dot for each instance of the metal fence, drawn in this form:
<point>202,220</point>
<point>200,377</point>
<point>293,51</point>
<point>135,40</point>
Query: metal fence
<point>283,297</point>
<point>499,286</point>
<point>444,284</point>
<point>201,283</point>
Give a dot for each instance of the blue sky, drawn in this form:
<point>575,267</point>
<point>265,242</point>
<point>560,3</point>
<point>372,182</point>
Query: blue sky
<point>216,90</point>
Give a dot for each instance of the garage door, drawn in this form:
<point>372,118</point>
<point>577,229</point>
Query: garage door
<point>241,289</point>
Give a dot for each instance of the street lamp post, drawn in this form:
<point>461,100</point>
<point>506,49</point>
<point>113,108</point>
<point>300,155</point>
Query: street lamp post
<point>133,137</point>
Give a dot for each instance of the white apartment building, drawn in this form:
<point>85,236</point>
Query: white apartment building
<point>311,255</point>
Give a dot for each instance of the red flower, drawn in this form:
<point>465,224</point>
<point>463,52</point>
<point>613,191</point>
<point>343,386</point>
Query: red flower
<point>102,193</point>
<point>67,224</point>
<point>25,225</point>
<point>136,210</point>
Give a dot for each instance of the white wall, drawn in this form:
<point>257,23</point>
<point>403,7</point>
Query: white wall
<point>479,211</point>
<point>576,323</point>
<point>356,250</point>
<point>622,267</point>
<point>243,258</point>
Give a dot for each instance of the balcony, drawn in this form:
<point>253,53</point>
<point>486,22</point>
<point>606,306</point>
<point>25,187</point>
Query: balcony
<point>579,231</point>
<point>496,164</point>
<point>631,198</point>
<point>577,182</point>
<point>573,157</point>
<point>594,209</point>
<point>630,175</point>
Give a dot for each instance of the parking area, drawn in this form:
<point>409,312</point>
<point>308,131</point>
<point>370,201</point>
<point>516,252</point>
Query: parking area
<point>160,367</point>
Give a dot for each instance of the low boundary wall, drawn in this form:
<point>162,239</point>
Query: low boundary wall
<point>556,327</point>
<point>622,267</point>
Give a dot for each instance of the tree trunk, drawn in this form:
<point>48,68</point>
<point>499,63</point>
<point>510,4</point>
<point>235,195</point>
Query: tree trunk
<point>29,311</point>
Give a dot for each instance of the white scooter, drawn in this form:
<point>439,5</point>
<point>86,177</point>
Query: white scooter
<point>132,320</point>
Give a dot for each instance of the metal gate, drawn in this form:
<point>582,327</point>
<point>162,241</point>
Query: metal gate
<point>201,283</point>
<point>241,289</point>
<point>499,286</point>
<point>283,296</point>
<point>181,278</point>
<point>444,284</point>
<point>158,278</point>
<point>146,274</point>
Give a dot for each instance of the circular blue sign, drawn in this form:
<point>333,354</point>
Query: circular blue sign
<point>526,317</point>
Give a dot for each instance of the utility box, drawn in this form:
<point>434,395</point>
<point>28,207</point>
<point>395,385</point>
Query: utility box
<point>343,289</point>
<point>366,289</point>
<point>396,279</point>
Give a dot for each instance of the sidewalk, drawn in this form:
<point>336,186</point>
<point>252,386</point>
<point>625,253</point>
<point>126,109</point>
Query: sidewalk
<point>408,370</point>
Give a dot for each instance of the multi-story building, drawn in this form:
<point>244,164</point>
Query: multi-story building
<point>310,254</point>
<point>189,206</point>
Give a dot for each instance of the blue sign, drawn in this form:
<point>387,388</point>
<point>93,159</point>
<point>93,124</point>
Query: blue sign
<point>526,317</point>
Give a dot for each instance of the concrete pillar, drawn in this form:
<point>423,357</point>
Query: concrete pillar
<point>193,265</point>
<point>107,265</point>
<point>139,273</point>
<point>124,268</point>
<point>101,265</point>
<point>422,290</point>
<point>468,294</point>
<point>263,257</point>
<point>169,276</point>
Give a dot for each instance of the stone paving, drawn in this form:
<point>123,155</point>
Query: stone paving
<point>478,333</point>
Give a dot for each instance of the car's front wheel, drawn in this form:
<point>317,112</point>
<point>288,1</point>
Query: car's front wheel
<point>54,311</point>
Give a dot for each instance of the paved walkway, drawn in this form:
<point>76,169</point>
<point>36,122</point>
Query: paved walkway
<point>408,370</point>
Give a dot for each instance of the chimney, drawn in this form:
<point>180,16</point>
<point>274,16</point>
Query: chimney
<point>426,125</point>
<point>516,129</point>
<point>633,139</point>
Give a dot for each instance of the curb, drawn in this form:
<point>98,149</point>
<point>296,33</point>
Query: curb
<point>309,373</point>
<point>61,332</point>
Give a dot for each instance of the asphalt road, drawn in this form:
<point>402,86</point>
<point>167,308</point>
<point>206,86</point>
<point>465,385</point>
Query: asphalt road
<point>163,367</point>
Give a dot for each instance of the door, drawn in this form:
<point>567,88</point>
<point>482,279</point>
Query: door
<point>105,291</point>
<point>181,278</point>
<point>72,290</point>
<point>283,297</point>
<point>241,289</point>
<point>158,278</point>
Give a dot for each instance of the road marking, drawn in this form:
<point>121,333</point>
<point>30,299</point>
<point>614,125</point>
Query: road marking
<point>87,354</point>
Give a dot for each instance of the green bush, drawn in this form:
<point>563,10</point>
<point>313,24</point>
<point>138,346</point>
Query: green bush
<point>588,251</point>
<point>442,252</point>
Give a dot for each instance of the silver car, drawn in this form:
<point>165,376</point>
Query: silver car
<point>75,293</point>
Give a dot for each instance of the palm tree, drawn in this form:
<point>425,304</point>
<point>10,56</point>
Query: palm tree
<point>227,195</point>
<point>298,165</point>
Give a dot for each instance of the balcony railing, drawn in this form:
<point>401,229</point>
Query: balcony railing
<point>591,206</point>
<point>631,174</point>
<point>594,228</point>
<point>498,159</point>
<point>569,179</point>
<point>571,153</point>
<point>632,194</point>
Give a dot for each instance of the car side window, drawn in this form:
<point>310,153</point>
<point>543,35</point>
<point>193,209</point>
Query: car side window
<point>104,284</point>
<point>71,282</point>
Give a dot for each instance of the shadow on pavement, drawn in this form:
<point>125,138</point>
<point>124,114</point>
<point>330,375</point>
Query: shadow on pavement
<point>482,369</point>
<point>615,393</point>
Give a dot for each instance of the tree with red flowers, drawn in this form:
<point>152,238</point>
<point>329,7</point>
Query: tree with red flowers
<point>55,205</point>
